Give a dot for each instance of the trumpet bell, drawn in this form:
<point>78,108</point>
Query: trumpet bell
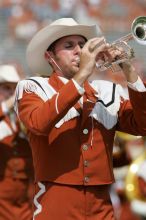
<point>138,29</point>
<point>131,182</point>
<point>138,33</point>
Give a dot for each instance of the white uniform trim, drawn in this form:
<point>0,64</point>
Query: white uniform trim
<point>105,110</point>
<point>138,207</point>
<point>4,107</point>
<point>36,203</point>
<point>56,103</point>
<point>108,103</point>
<point>141,172</point>
<point>48,91</point>
<point>5,130</point>
<point>30,86</point>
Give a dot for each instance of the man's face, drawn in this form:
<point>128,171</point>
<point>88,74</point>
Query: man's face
<point>67,53</point>
<point>6,90</point>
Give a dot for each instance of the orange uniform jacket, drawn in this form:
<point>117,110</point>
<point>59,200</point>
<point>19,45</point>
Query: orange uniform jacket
<point>14,151</point>
<point>77,148</point>
<point>15,161</point>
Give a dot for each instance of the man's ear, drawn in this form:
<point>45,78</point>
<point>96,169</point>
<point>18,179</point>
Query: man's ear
<point>48,56</point>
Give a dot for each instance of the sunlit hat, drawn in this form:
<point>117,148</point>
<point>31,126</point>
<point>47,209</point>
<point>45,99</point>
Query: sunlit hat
<point>8,73</point>
<point>46,36</point>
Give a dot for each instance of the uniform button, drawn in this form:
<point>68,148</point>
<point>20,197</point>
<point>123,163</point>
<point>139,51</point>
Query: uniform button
<point>86,179</point>
<point>86,163</point>
<point>85,147</point>
<point>85,131</point>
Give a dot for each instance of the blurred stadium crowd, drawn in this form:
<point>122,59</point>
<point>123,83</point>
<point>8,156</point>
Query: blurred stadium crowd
<point>19,21</point>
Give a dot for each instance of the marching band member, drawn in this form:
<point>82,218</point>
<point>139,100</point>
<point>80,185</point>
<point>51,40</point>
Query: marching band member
<point>71,120</point>
<point>16,170</point>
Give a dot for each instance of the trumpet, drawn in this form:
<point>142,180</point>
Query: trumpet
<point>138,33</point>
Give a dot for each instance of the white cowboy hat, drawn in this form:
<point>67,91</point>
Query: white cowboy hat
<point>8,73</point>
<point>46,36</point>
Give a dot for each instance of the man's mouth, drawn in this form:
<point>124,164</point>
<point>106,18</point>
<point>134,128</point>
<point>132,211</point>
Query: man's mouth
<point>76,61</point>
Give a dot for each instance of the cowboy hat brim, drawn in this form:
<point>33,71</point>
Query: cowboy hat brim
<point>45,37</point>
<point>8,74</point>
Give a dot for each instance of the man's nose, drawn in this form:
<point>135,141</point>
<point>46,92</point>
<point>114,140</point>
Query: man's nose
<point>77,49</point>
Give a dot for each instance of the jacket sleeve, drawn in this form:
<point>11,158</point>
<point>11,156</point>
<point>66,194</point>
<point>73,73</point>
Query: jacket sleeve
<point>39,116</point>
<point>132,114</point>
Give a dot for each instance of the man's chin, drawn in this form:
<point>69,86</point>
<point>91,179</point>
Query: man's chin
<point>70,74</point>
<point>75,69</point>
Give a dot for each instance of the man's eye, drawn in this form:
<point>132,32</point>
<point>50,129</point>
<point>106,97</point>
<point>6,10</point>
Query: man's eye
<point>81,45</point>
<point>68,46</point>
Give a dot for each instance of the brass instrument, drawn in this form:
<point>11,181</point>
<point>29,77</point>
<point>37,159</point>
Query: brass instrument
<point>138,33</point>
<point>131,182</point>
